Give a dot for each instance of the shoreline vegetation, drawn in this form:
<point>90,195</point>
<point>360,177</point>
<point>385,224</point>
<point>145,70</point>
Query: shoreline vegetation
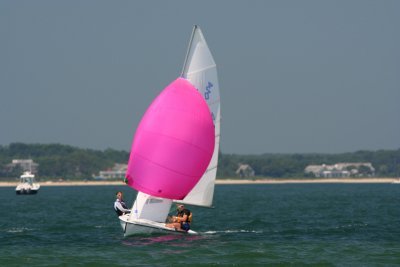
<point>51,161</point>
<point>225,182</point>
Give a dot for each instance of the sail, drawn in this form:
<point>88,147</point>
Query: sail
<point>200,69</point>
<point>173,144</point>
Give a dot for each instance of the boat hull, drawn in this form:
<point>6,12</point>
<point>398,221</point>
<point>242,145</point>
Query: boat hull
<point>142,226</point>
<point>26,191</point>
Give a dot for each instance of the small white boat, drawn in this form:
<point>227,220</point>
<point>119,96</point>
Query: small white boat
<point>27,184</point>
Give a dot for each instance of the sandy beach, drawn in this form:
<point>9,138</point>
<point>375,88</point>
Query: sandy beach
<point>221,181</point>
<point>307,181</point>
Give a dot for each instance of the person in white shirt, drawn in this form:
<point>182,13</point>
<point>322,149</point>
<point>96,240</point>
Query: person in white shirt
<point>120,206</point>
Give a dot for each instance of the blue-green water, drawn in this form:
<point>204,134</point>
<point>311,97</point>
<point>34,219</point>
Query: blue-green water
<point>288,224</point>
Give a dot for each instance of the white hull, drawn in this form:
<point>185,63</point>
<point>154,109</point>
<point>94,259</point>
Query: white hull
<point>26,192</point>
<point>143,226</point>
<point>24,189</point>
<point>27,185</point>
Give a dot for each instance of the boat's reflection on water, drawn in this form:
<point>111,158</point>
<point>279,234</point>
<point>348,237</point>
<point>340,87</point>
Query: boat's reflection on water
<point>177,240</point>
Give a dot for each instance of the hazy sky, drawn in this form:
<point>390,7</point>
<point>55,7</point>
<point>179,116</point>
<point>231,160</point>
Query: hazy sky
<point>295,76</point>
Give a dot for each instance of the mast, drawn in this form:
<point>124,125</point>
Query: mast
<point>188,52</point>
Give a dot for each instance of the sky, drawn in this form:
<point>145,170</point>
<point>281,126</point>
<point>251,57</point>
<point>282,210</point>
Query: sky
<point>295,76</point>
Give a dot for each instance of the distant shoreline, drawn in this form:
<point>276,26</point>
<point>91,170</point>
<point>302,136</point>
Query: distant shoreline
<point>226,182</point>
<point>310,181</point>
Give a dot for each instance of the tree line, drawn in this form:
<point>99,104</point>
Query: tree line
<point>385,162</point>
<point>73,163</point>
<point>60,161</point>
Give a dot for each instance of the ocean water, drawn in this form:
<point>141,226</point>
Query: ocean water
<point>251,225</point>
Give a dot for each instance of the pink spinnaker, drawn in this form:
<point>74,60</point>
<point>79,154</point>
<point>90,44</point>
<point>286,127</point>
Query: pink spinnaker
<point>173,144</point>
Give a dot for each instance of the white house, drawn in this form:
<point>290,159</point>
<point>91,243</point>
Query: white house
<point>116,172</point>
<point>24,164</point>
<point>341,169</point>
<point>245,170</point>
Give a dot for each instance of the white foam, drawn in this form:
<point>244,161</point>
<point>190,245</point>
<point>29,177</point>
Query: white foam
<point>232,232</point>
<point>18,230</point>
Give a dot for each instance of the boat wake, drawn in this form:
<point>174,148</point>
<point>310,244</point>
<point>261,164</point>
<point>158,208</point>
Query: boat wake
<point>240,231</point>
<point>150,240</point>
<point>18,230</point>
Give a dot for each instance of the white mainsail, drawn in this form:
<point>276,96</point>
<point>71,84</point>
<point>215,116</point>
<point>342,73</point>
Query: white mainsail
<point>200,69</point>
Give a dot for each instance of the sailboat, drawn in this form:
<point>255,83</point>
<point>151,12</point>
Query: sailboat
<point>174,154</point>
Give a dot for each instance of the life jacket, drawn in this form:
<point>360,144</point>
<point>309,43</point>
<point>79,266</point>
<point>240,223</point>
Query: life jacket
<point>119,212</point>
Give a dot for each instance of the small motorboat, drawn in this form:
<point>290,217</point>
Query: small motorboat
<point>27,184</point>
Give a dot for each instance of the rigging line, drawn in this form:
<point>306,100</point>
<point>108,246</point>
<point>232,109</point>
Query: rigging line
<point>213,168</point>
<point>202,69</point>
<point>188,50</point>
